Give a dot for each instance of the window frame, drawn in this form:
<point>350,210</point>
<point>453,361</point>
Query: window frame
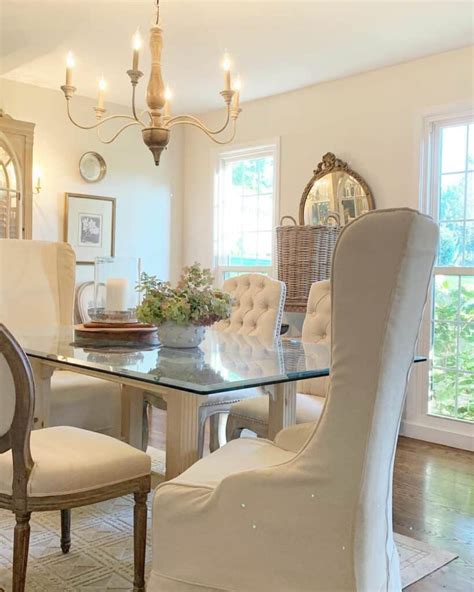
<point>221,158</point>
<point>417,422</point>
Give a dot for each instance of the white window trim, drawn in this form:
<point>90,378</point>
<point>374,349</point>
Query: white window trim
<point>417,423</point>
<point>236,152</point>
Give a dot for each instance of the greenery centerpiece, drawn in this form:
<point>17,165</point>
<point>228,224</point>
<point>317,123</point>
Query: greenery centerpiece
<point>183,313</point>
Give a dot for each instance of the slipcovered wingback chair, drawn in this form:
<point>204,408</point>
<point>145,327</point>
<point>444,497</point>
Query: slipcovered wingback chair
<point>312,511</point>
<point>37,291</point>
<point>252,413</point>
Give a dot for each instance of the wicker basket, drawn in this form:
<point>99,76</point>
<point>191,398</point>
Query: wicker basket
<point>304,257</point>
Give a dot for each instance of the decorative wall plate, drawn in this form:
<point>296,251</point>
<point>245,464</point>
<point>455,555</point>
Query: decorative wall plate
<point>92,167</point>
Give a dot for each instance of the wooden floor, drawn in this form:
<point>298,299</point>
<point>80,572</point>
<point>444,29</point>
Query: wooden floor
<point>433,502</point>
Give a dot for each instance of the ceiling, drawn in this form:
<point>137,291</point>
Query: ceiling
<point>276,45</point>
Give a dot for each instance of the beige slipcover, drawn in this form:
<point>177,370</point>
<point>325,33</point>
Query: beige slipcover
<point>252,413</point>
<point>312,511</point>
<point>36,291</point>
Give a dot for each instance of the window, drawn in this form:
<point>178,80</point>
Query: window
<point>245,211</point>
<point>451,385</point>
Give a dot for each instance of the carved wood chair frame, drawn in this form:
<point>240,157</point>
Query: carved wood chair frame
<point>17,439</point>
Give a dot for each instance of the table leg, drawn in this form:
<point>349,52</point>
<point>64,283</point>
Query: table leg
<point>182,432</point>
<point>42,376</point>
<point>282,408</point>
<point>134,428</point>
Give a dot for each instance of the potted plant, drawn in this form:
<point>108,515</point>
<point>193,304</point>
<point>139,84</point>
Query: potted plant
<point>183,313</point>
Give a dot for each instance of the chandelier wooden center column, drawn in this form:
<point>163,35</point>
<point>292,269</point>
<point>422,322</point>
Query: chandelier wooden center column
<point>158,120</point>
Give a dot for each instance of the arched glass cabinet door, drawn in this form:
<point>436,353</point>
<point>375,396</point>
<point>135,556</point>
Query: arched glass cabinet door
<point>10,194</point>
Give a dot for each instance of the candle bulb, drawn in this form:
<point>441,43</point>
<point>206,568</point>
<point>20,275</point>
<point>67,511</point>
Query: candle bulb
<point>237,86</point>
<point>136,44</point>
<point>102,87</point>
<point>69,68</point>
<point>226,64</point>
<point>168,98</point>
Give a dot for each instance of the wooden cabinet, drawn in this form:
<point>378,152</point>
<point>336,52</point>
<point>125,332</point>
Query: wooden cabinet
<point>16,173</point>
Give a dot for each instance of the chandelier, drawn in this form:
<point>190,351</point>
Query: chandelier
<point>158,121</point>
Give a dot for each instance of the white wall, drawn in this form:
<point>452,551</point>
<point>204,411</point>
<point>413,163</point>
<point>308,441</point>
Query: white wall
<point>149,198</point>
<point>372,120</point>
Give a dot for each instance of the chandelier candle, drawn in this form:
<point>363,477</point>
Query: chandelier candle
<point>157,123</point>
<point>136,44</point>
<point>69,68</point>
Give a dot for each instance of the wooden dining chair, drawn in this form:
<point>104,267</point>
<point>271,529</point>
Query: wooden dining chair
<point>59,468</point>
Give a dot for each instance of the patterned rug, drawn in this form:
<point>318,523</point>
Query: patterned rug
<point>101,556</point>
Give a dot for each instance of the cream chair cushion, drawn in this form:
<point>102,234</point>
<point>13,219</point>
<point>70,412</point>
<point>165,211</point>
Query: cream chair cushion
<point>308,408</point>
<point>69,460</point>
<point>258,306</point>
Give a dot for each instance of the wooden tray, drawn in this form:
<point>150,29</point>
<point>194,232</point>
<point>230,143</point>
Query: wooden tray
<point>139,334</point>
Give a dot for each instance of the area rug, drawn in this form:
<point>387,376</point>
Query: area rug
<point>101,556</point>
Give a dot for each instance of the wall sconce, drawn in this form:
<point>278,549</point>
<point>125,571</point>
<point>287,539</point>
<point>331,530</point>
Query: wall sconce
<point>36,179</point>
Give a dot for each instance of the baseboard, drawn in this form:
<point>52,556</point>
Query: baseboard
<point>419,431</point>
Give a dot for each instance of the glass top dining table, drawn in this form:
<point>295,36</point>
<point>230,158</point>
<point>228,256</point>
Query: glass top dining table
<point>223,361</point>
<point>185,379</point>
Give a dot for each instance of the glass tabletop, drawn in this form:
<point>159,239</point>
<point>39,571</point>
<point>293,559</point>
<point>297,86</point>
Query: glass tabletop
<point>223,361</point>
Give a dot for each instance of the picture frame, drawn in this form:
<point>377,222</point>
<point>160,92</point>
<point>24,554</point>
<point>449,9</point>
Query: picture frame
<point>89,226</point>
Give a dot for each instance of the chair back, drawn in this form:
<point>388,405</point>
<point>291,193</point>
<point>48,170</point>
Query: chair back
<point>381,271</point>
<point>36,283</point>
<point>317,329</point>
<point>17,408</point>
<point>258,306</point>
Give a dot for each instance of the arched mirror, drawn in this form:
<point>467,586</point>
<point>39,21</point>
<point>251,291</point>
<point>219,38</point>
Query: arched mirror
<point>16,167</point>
<point>335,194</point>
<point>9,195</point>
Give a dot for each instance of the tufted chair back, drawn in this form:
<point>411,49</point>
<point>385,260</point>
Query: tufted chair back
<point>317,329</point>
<point>258,306</point>
<point>36,276</point>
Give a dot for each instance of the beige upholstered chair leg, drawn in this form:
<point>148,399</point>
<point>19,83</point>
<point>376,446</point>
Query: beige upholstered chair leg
<point>65,531</point>
<point>139,540</point>
<point>21,544</point>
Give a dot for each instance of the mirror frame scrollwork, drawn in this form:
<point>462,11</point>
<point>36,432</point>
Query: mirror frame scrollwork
<point>330,164</point>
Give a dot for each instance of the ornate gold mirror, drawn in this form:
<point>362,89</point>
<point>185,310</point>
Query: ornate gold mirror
<point>335,194</point>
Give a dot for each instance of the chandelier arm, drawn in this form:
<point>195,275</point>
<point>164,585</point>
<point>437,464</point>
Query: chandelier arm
<point>117,134</point>
<point>200,126</point>
<point>99,123</point>
<point>134,111</point>
<point>179,119</point>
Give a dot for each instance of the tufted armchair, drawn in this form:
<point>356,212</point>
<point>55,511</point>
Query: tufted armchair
<point>258,306</point>
<point>252,413</point>
<point>312,511</point>
<point>38,291</point>
<point>257,312</point>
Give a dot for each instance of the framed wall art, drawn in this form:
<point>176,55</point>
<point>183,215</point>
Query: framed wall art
<point>90,226</point>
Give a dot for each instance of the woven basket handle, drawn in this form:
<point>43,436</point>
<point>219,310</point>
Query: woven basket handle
<point>288,218</point>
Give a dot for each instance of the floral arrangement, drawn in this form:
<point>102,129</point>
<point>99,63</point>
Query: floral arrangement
<point>194,301</point>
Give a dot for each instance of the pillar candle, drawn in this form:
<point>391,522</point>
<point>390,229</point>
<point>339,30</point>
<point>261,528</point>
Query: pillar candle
<point>116,296</point>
